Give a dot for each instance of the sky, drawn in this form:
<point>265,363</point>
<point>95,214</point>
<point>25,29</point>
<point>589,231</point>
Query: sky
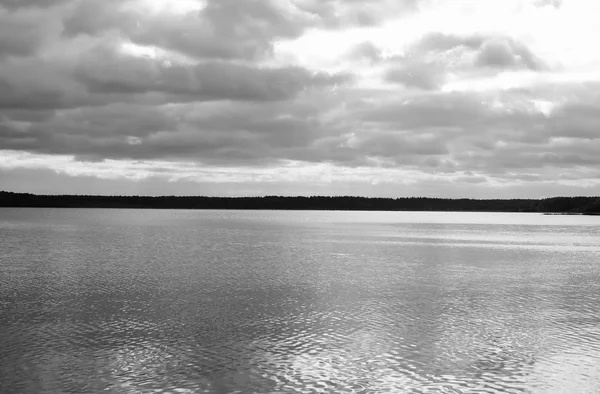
<point>391,98</point>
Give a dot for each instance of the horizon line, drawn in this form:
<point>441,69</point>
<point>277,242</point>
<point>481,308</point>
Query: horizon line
<point>295,196</point>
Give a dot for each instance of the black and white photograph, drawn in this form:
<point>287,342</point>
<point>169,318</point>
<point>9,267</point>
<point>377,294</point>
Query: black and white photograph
<point>299,196</point>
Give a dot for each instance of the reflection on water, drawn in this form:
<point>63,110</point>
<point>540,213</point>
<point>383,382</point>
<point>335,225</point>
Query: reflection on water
<point>130,301</point>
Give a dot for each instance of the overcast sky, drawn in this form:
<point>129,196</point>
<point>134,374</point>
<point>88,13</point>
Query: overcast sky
<point>457,98</point>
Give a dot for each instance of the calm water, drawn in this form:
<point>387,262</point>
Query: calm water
<point>142,301</point>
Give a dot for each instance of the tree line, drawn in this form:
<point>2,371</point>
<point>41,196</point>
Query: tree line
<point>586,205</point>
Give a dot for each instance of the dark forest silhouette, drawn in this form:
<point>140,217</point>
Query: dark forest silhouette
<point>572,205</point>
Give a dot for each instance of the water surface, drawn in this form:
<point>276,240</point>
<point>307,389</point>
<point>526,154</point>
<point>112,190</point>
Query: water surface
<point>161,301</point>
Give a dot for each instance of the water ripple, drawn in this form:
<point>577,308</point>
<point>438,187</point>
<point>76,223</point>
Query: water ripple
<point>208,302</point>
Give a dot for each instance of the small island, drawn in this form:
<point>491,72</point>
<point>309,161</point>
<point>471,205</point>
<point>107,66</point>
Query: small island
<point>555,205</point>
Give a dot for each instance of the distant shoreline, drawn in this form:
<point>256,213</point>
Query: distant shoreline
<point>571,213</point>
<point>549,206</point>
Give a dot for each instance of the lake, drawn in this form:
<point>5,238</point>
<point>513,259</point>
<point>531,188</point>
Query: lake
<point>167,301</point>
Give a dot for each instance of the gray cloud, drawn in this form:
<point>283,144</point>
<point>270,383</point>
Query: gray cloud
<point>30,84</point>
<point>551,3</point>
<point>224,29</point>
<point>427,62</point>
<point>365,50</point>
<point>424,111</point>
<point>94,17</point>
<point>346,13</point>
<point>219,132</point>
<point>471,179</point>
<point>84,66</point>
<point>576,120</point>
<point>505,53</point>
<point>24,33</point>
<point>489,50</point>
<point>424,76</point>
<point>439,42</point>
<point>102,75</point>
<point>429,132</point>
<point>476,135</point>
<point>549,158</point>
<point>103,70</point>
<point>17,37</point>
<point>74,92</point>
<point>21,4</point>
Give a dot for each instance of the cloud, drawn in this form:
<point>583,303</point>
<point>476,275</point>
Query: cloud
<point>424,76</point>
<point>347,13</point>
<point>21,92</point>
<point>478,50</point>
<point>551,3</point>
<point>222,29</point>
<point>424,111</point>
<point>367,92</point>
<point>576,121</point>
<point>102,75</point>
<point>18,37</point>
<point>428,62</point>
<point>104,70</point>
<point>432,133</point>
<point>365,50</point>
<point>21,4</point>
<point>26,32</point>
<point>208,132</point>
<point>437,42</point>
<point>95,17</point>
<point>505,53</point>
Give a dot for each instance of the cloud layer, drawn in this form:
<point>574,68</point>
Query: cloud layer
<point>334,97</point>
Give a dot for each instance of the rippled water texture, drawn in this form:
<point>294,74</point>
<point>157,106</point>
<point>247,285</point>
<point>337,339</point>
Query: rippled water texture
<point>142,301</point>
